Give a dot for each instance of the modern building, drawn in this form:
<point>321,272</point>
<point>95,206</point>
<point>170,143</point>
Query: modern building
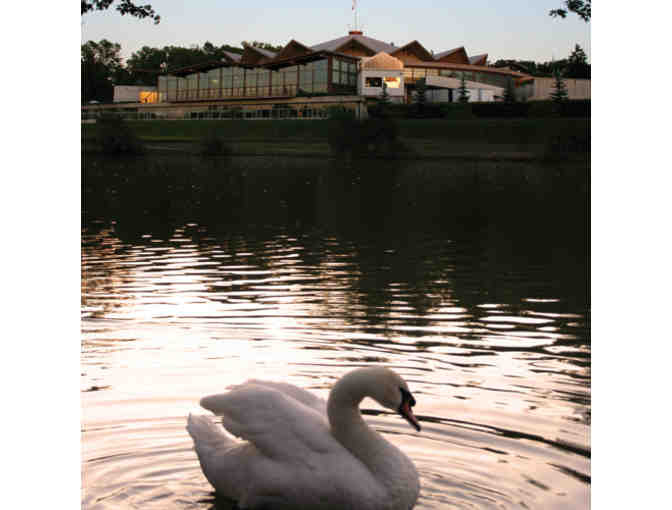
<point>304,82</point>
<point>351,65</point>
<point>134,94</point>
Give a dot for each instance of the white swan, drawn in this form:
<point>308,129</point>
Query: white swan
<point>302,452</point>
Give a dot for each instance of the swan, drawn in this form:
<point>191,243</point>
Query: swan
<point>299,451</point>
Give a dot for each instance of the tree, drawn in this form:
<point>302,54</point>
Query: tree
<point>509,92</point>
<point>101,68</point>
<point>263,46</point>
<point>577,64</point>
<point>384,96</point>
<point>580,7</point>
<point>420,94</point>
<point>463,93</point>
<point>559,94</point>
<point>123,6</point>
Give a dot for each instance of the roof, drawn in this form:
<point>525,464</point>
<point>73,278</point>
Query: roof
<point>478,59</point>
<point>418,49</point>
<point>373,44</point>
<point>382,61</point>
<point>232,56</point>
<point>265,53</point>
<point>448,52</point>
<point>454,83</point>
<point>466,67</point>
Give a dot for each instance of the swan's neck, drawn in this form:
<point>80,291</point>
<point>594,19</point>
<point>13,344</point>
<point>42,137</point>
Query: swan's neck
<point>384,460</point>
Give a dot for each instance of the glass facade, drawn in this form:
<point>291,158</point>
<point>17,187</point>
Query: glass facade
<point>329,75</point>
<point>234,81</point>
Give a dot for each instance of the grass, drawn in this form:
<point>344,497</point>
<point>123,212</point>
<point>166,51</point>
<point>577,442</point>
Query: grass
<point>425,137</point>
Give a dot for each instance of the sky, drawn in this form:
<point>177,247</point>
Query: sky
<point>516,29</point>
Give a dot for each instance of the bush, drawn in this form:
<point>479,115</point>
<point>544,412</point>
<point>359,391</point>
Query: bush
<point>116,137</point>
<point>377,137</point>
<point>457,111</point>
<point>500,110</point>
<point>562,146</point>
<point>213,144</point>
<point>577,108</point>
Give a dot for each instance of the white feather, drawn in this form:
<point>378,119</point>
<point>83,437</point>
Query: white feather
<point>292,455</point>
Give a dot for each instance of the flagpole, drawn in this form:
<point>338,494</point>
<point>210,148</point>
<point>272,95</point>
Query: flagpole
<point>354,8</point>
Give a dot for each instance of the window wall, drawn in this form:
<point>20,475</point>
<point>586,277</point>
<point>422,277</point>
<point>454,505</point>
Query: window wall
<point>411,74</point>
<point>233,81</point>
<point>343,75</point>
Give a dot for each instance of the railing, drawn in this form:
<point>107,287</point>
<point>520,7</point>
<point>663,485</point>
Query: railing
<point>297,111</point>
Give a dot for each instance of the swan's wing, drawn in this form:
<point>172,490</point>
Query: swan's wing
<point>297,393</point>
<point>280,426</point>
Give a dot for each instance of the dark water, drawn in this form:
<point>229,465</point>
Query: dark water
<point>469,279</point>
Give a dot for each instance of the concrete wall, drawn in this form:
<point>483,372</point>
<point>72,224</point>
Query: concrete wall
<point>130,93</point>
<point>377,91</point>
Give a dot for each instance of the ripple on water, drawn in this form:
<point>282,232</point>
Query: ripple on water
<point>496,350</point>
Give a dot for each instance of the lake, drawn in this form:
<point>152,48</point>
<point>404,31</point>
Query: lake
<point>470,279</point>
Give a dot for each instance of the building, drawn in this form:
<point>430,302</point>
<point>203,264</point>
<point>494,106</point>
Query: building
<point>134,94</point>
<point>351,65</point>
<point>304,82</point>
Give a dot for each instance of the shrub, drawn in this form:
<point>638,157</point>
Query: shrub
<point>116,137</point>
<point>500,110</point>
<point>376,137</point>
<point>212,144</point>
<point>562,146</point>
<point>457,111</point>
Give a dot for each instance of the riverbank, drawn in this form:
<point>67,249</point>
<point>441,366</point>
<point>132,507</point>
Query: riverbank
<point>488,139</point>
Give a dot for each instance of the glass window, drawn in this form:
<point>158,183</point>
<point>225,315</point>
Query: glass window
<point>373,81</point>
<point>432,72</point>
<point>335,77</point>
<point>290,75</point>
<point>306,77</point>
<point>320,75</point>
<point>214,79</point>
<point>419,73</point>
<point>335,64</point>
<point>393,82</point>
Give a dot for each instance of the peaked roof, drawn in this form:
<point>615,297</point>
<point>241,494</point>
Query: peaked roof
<point>417,49</point>
<point>447,52</point>
<point>254,56</point>
<point>479,59</point>
<point>293,48</point>
<point>235,57</point>
<point>374,45</point>
<point>264,52</point>
<point>382,61</point>
<point>456,56</point>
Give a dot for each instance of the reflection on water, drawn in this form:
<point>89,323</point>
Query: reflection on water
<point>468,279</point>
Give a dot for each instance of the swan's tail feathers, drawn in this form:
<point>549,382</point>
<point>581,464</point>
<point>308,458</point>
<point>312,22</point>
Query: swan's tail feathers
<point>206,433</point>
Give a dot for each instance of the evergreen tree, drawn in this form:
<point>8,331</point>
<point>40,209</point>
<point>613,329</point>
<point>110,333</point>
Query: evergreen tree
<point>463,93</point>
<point>577,64</point>
<point>559,94</point>
<point>384,96</point>
<point>420,94</point>
<point>509,92</point>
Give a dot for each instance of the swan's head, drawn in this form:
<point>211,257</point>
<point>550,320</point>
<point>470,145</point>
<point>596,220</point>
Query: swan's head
<point>389,390</point>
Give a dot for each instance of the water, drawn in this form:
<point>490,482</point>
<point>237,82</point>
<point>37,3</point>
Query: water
<point>469,279</point>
